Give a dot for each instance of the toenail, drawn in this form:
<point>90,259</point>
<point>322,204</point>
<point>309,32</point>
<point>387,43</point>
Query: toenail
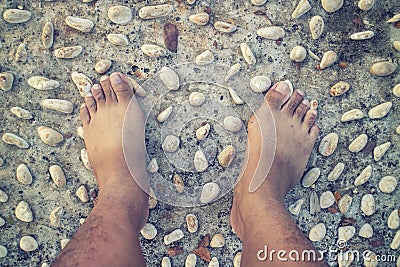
<point>103,78</point>
<point>88,95</point>
<point>305,102</point>
<point>282,87</point>
<point>115,78</point>
<point>96,87</point>
<point>300,92</point>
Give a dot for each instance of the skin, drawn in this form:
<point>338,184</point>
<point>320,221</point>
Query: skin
<point>109,235</point>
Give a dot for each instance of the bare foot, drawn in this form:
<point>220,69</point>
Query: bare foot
<point>102,117</point>
<point>296,133</point>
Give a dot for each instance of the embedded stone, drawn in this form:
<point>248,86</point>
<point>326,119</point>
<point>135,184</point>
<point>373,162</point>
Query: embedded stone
<point>23,212</point>
<point>21,113</point>
<point>380,151</point>
<point>24,175</point>
<point>171,144</point>
<point>368,204</point>
<point>336,172</point>
<point>380,111</point>
<point>149,231</point>
<point>346,232</point>
<point>317,233</point>
<point>173,236</point>
<point>16,15</point>
<point>311,177</point>
<point>209,192</point>
<point>13,139</point>
<point>388,184</point>
<point>260,84</point>
<point>328,144</point>
<point>358,143</point>
<point>169,77</point>
<point>364,176</point>
<point>6,81</point>
<point>68,52</point>
<point>28,244</point>
<point>366,231</point>
<point>57,175</point>
<point>80,24</point>
<point>233,124</point>
<point>82,194</point>
<point>50,136</point>
<point>120,14</point>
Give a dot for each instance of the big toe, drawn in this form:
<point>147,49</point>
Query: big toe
<point>121,86</point>
<point>278,95</point>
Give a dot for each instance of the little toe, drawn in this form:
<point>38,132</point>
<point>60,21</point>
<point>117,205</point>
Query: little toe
<point>98,94</point>
<point>122,86</point>
<point>309,119</point>
<point>278,95</point>
<point>90,103</point>
<point>107,89</point>
<point>293,102</point>
<point>302,109</point>
<point>84,114</point>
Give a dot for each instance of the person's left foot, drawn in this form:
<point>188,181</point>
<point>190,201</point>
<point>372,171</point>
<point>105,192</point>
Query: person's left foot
<point>102,117</point>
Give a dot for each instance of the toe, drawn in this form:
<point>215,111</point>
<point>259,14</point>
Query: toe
<point>314,131</point>
<point>85,115</point>
<point>294,102</point>
<point>122,86</point>
<point>107,89</point>
<point>302,109</point>
<point>90,103</point>
<point>98,94</point>
<point>309,119</point>
<point>278,95</point>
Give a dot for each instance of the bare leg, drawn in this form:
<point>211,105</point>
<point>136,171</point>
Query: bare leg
<point>109,236</point>
<point>260,218</point>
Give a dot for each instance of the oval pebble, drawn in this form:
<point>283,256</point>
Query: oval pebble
<point>209,192</point>
<point>260,84</point>
<point>166,262</point>
<point>50,136</point>
<point>226,156</point>
<point>169,77</point>
<point>380,151</point>
<point>346,232</point>
<point>196,99</point>
<point>82,194</point>
<point>214,262</point>
<point>85,159</point>
<point>344,203</point>
<point>55,216</point>
<point>235,97</point>
<point>203,132</point>
<point>173,236</point>
<point>178,183</point>
<point>326,199</point>
<point>21,113</point>
<point>233,70</point>
<point>200,19</point>
<point>139,90</point>
<point>47,36</point>
<point>3,196</point>
<point>151,12</point>
<point>328,144</point>
<point>164,115</point>
<point>21,53</point>
<point>16,15</point>
<point>258,2</point>
<point>366,231</point>
<point>191,260</point>
<point>311,177</point>
<point>317,26</point>
<point>205,58</point>
<point>80,24</point>
<point>354,114</point>
<point>192,223</point>
<point>82,82</point>
<point>383,69</point>
<point>339,89</point>
<point>13,139</point>
<point>68,52</point>
<point>358,143</point>
<point>317,233</point>
<point>57,175</point>
<point>380,110</point>
<point>328,59</point>
<point>217,241</point>
<point>233,124</point>
<point>365,35</point>
<point>149,231</point>
<point>368,204</point>
<point>364,176</point>
<point>271,32</point>
<point>336,172</point>
<point>153,50</point>
<point>393,221</point>
<point>63,106</point>
<point>118,39</point>
<point>332,5</point>
<point>102,66</point>
<point>396,90</point>
<point>153,166</point>
<point>120,14</point>
<point>225,27</point>
<point>28,244</point>
<point>170,144</point>
<point>6,81</point>
<point>365,5</point>
<point>298,54</point>
<point>237,259</point>
<point>388,184</point>
<point>396,45</point>
<point>248,54</point>
<point>200,161</point>
<point>43,83</point>
<point>395,244</point>
<point>23,212</point>
<point>24,175</point>
<point>3,251</point>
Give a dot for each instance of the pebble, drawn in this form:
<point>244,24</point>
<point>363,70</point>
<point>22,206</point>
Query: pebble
<point>326,200</point>
<point>43,83</point>
<point>345,259</point>
<point>380,111</point>
<point>21,53</point>
<point>328,59</point>
<point>368,204</point>
<point>203,132</point>
<point>366,231</point>
<point>192,223</point>
<point>153,166</point>
<point>313,55</point>
<point>166,262</point>
<point>23,212</point>
<point>235,97</point>
<point>225,27</point>
<point>152,199</point>
<point>271,32</point>
<point>332,5</point>
<point>16,15</point>
<point>191,2</point>
<point>339,88</point>
<point>178,183</point>
<point>233,70</point>
<point>317,233</point>
<point>200,161</point>
<point>151,12</point>
<point>85,159</point>
<point>396,45</point>
<point>2,222</point>
<point>50,136</point>
<point>366,4</point>
<point>388,184</point>
<point>173,236</point>
<point>248,54</point>
<point>149,231</point>
<point>82,82</point>
<point>82,194</point>
<point>191,260</point>
<point>328,144</point>
<point>24,175</point>
<point>6,81</point>
<point>260,84</point>
<point>21,113</point>
<point>302,8</point>
<point>13,139</point>
<point>396,90</point>
<point>209,192</point>
<point>237,259</point>
<point>295,208</point>
<point>214,261</point>
<point>1,161</point>
<point>370,259</point>
<point>226,156</point>
<point>118,39</point>
<point>28,243</point>
<point>346,232</point>
<point>365,35</point>
<point>47,36</point>
<point>398,129</point>
<point>55,216</point>
<point>153,50</point>
<point>217,241</point>
<point>80,24</point>
<point>364,176</point>
<point>336,172</point>
<point>205,58</point>
<point>169,78</point>
<point>311,177</point>
<point>200,19</point>
<point>358,143</point>
<point>170,144</point>
<point>3,251</point>
<point>57,175</point>
<point>395,18</point>
<point>60,105</point>
<point>197,99</point>
<point>258,2</point>
<point>233,124</point>
<point>171,37</point>
<point>102,66</point>
<point>393,219</point>
<point>298,54</point>
<point>139,90</point>
<point>3,196</point>
<point>120,14</point>
<point>380,151</point>
<point>314,203</point>
<point>68,52</point>
<point>354,114</point>
<point>317,26</point>
<point>344,203</point>
<point>396,241</point>
<point>64,242</point>
<point>382,69</point>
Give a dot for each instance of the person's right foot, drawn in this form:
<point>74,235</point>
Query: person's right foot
<point>296,133</point>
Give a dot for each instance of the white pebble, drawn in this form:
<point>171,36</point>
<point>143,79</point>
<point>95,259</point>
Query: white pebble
<point>358,143</point>
<point>47,36</point>
<point>169,77</point>
<point>311,177</point>
<point>295,208</point>
<point>120,14</point>
<point>354,114</point>
<point>380,151</point>
<point>6,81</point>
<point>362,35</point>
<point>233,124</point>
<point>82,194</point>
<point>3,196</point>
<point>383,69</point>
<point>61,105</point>
<point>328,59</point>
<point>173,236</point>
<point>28,243</point>
<point>16,15</point>
<point>80,24</point>
<point>205,58</point>
<point>21,113</point>
<point>151,12</point>
<point>102,66</point>
<point>191,260</point>
<point>336,172</point>
<point>302,8</point>
<point>226,156</point>
<point>346,232</point>
<point>214,262</point>
<point>23,212</point>
<point>192,223</point>
<point>317,26</point>
<point>197,99</point>
<point>153,166</point>
<point>396,90</point>
<point>225,27</point>
<point>171,144</point>
<point>258,2</point>
<point>332,5</point>
<point>366,231</point>
<point>368,204</point>
<point>298,54</point>
<point>200,161</point>
<point>328,144</point>
<point>43,83</point>
<point>24,175</point>
<point>149,231</point>
<point>366,5</point>
<point>203,132</point>
<point>153,50</point>
<point>68,52</point>
<point>271,32</point>
<point>166,262</point>
<point>50,136</point>
<point>118,39</point>
<point>388,184</point>
<point>344,203</point>
<point>326,199</point>
<point>57,175</point>
<point>233,70</point>
<point>3,251</point>
<point>260,84</point>
<point>164,115</point>
<point>209,192</point>
<point>13,139</point>
<point>200,19</point>
<point>235,97</point>
<point>395,244</point>
<point>364,176</point>
<point>248,54</point>
<point>393,221</point>
<point>21,53</point>
<point>64,242</point>
<point>85,159</point>
<point>82,82</point>
<point>317,233</point>
<point>55,216</point>
<point>217,241</point>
